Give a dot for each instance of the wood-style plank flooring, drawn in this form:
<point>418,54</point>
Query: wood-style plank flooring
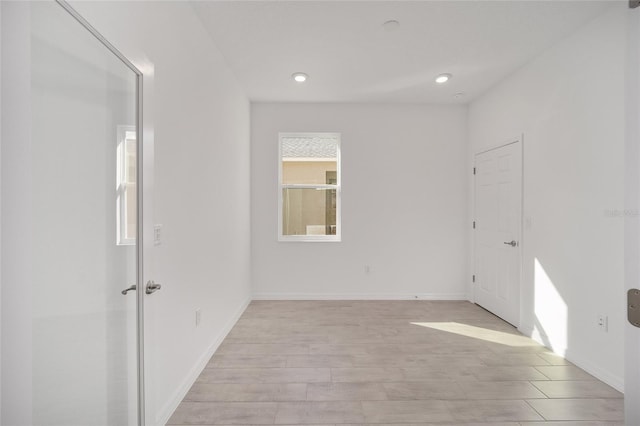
<point>387,363</point>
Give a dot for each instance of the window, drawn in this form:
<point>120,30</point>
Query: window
<point>126,186</point>
<point>309,192</point>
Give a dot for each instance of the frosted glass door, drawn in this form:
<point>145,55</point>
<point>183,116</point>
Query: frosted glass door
<point>83,226</point>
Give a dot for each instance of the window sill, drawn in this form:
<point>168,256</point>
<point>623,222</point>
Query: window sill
<point>309,239</point>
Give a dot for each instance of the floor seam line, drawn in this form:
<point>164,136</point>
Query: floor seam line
<point>534,409</point>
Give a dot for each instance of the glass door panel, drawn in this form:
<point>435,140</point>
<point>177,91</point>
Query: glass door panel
<point>84,109</point>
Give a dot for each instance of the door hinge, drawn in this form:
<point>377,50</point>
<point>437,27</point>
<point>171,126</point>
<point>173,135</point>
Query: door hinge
<point>474,224</point>
<point>474,169</point>
<point>473,279</point>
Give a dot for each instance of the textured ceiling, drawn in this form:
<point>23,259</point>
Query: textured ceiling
<point>350,57</point>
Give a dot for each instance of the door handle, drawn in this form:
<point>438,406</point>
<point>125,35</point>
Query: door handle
<point>152,287</point>
<point>633,303</point>
<point>511,243</point>
<point>126,290</point>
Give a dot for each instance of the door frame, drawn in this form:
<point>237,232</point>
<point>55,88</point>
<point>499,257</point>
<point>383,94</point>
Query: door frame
<point>520,234</point>
<point>140,286</point>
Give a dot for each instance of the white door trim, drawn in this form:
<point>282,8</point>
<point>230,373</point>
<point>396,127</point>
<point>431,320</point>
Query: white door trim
<point>520,248</point>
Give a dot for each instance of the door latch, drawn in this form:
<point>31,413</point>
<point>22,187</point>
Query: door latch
<point>152,287</point>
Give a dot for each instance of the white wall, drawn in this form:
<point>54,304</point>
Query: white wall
<point>201,178</point>
<point>404,204</point>
<point>200,125</point>
<point>569,104</point>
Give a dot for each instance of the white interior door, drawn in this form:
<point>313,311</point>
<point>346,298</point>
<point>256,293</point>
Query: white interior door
<point>498,213</point>
<point>632,225</point>
<point>78,201</point>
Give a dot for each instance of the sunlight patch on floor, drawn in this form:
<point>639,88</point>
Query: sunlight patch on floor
<point>480,333</point>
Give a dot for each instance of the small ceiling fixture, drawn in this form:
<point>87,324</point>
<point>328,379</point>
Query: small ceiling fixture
<point>300,77</point>
<point>443,78</point>
<point>391,25</point>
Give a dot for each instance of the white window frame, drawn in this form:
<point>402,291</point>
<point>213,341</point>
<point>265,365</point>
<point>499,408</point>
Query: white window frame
<point>310,238</point>
<point>122,187</point>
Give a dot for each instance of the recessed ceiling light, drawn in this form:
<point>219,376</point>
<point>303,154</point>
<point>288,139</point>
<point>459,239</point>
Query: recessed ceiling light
<point>391,25</point>
<point>300,77</point>
<point>443,78</point>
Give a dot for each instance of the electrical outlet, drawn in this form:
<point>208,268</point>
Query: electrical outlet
<point>603,322</point>
<point>198,317</point>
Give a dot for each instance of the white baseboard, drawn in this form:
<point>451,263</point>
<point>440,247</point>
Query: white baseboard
<point>167,411</point>
<point>612,380</point>
<point>359,296</point>
<point>535,334</point>
<point>607,377</point>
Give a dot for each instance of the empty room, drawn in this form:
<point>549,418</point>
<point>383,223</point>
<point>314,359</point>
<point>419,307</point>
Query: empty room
<point>320,213</point>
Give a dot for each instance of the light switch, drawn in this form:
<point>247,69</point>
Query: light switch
<point>528,223</point>
<point>157,235</point>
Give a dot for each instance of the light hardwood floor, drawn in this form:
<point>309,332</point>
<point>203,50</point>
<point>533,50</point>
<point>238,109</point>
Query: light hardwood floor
<point>389,362</point>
